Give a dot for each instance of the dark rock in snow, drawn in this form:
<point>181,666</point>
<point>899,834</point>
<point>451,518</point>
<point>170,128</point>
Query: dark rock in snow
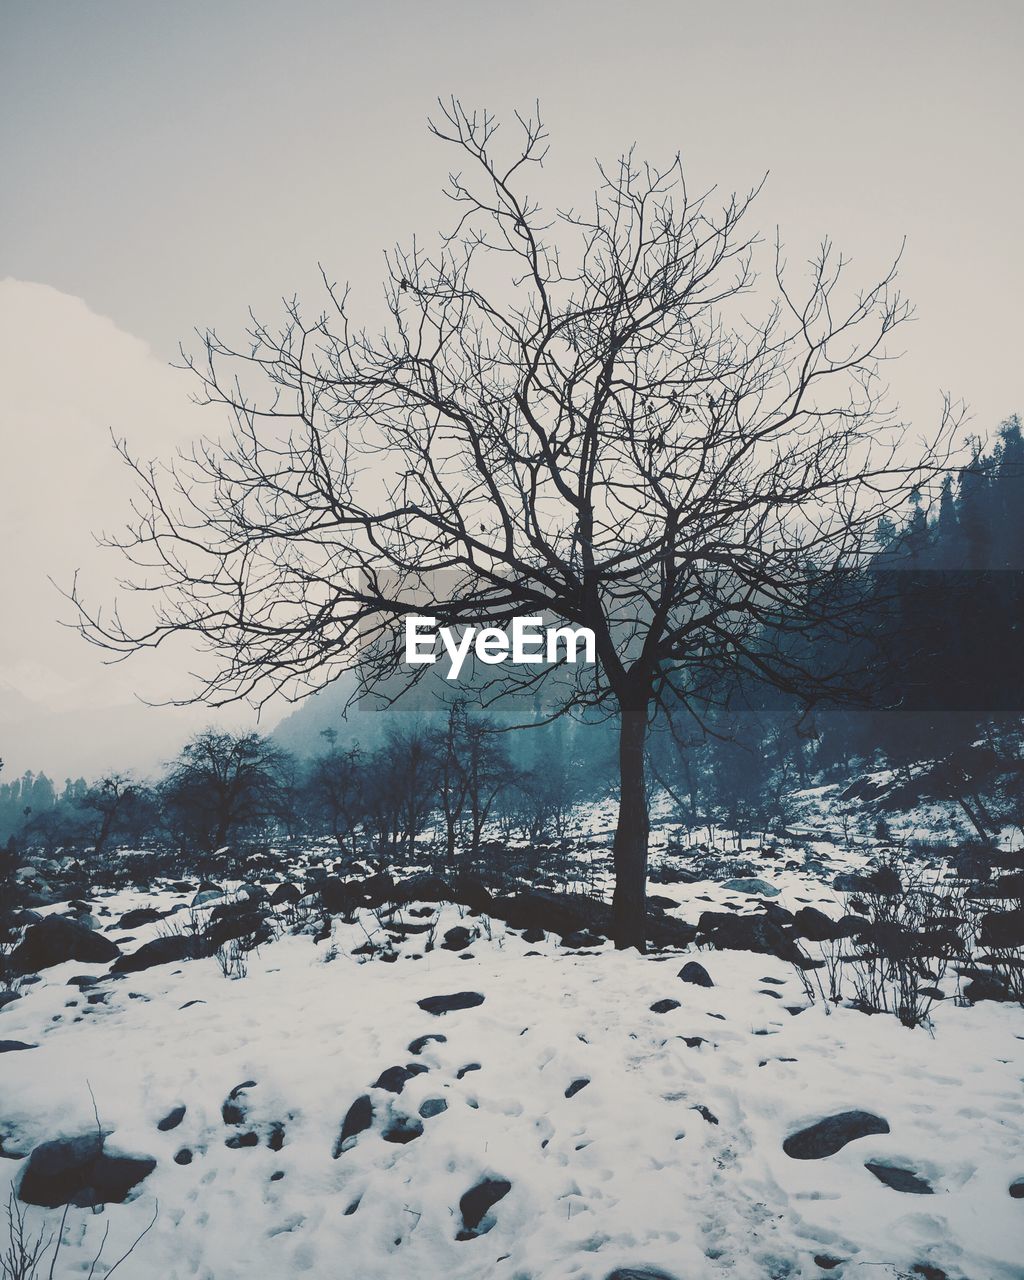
<point>402,1129</point>
<point>284,895</point>
<point>447,1004</point>
<point>421,1042</point>
<point>985,986</point>
<point>55,940</point>
<point>168,950</point>
<point>171,1120</point>
<point>184,1156</point>
<point>432,1107</point>
<point>581,938</point>
<point>239,1140</point>
<point>811,923</point>
<point>140,916</point>
<point>576,1086</point>
<point>1017,1189</point>
<point>533,936</point>
<point>695,973</point>
<point>706,1112</point>
<point>745,933</point>
<point>477,1203</point>
<point>79,1172</point>
<point>12,1046</point>
<point>664,1006</point>
<point>458,938</point>
<point>358,1118</point>
<point>393,1078</point>
<point>464,1071</point>
<point>899,1179</point>
<point>8,997</point>
<point>1002,929</point>
<point>233,1111</point>
<point>423,887</point>
<point>760,887</point>
<point>638,1273</point>
<point>832,1134</point>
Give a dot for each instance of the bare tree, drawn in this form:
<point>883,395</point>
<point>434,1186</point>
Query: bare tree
<point>594,415</point>
<point>223,783</point>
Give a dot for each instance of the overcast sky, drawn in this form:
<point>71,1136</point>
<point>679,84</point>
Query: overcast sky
<point>167,166</point>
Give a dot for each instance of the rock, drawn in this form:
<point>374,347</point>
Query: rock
<point>12,1046</point>
<point>832,1134</point>
<point>339,897</point>
<point>169,950</point>
<point>171,1120</point>
<point>705,1112</point>
<point>638,1273</point>
<point>140,916</point>
<point>660,903</point>
<point>477,1203</point>
<point>432,1107</point>
<point>580,1083</point>
<point>393,1078</point>
<point>664,1006</point>
<point>533,936</point>
<point>423,887</point>
<point>464,1071</point>
<point>696,974</point>
<point>458,939</point>
<point>899,1179</point>
<point>358,1118</point>
<point>421,1042</point>
<point>985,986</point>
<point>55,940</point>
<point>206,895</point>
<point>811,923</point>
<point>184,1156</point>
<point>285,895</point>
<point>1017,1189</point>
<point>851,882</point>
<point>239,1140</point>
<point>581,938</point>
<point>746,933</point>
<point>1001,929</point>
<point>760,887</point>
<point>8,997</point>
<point>402,1129</point>
<point>79,1172</point>
<point>447,1004</point>
<point>232,1111</point>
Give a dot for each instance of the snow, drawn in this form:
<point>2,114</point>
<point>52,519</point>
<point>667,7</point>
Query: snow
<point>630,1171</point>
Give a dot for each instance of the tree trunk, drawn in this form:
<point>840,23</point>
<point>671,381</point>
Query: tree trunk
<point>629,905</point>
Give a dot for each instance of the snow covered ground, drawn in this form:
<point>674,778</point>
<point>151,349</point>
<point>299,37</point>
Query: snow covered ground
<point>668,1160</point>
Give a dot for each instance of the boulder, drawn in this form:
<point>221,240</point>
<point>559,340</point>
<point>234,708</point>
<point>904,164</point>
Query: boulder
<point>80,1172</point>
<point>447,1004</point>
<point>760,887</point>
<point>832,1134</point>
<point>169,950</point>
<point>696,974</point>
<point>458,938</point>
<point>140,916</point>
<point>745,933</point>
<point>284,895</point>
<point>55,940</point>
<point>357,1120</point>
<point>477,1203</point>
<point>1002,929</point>
<point>905,1180</point>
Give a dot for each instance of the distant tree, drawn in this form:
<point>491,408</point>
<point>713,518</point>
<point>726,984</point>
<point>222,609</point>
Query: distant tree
<point>335,792</point>
<point>111,800</point>
<point>224,784</point>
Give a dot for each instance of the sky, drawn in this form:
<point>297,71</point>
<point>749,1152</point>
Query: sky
<point>170,166</point>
